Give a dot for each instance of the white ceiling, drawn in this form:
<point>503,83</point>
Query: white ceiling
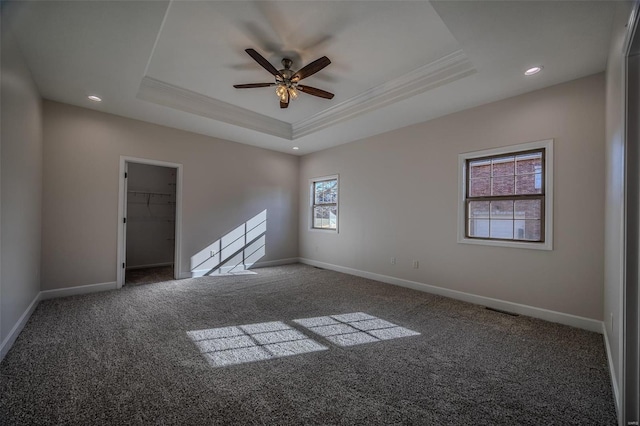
<point>394,63</point>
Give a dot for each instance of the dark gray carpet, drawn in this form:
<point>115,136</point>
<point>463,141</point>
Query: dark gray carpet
<point>124,357</point>
<point>148,275</point>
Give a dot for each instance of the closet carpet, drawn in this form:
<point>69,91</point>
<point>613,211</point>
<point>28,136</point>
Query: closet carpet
<point>148,275</point>
<point>297,345</point>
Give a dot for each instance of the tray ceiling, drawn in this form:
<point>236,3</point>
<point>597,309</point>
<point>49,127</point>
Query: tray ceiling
<point>394,63</point>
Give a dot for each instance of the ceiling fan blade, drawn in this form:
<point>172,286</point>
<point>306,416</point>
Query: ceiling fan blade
<point>263,62</point>
<point>252,85</point>
<point>285,104</point>
<point>315,92</point>
<point>311,68</point>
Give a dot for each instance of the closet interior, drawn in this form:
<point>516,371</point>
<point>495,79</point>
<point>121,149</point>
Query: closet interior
<point>150,223</point>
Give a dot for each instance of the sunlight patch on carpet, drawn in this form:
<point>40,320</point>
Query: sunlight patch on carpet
<point>354,329</point>
<point>251,342</point>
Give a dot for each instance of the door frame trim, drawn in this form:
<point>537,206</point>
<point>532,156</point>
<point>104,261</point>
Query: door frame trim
<point>628,346</point>
<point>122,240</point>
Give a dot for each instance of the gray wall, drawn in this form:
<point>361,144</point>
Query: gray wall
<point>224,185</point>
<point>614,193</point>
<point>21,187</point>
<point>398,198</point>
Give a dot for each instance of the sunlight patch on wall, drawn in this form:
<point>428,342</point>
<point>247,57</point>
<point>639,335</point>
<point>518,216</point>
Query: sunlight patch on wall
<point>235,252</point>
<point>354,329</point>
<point>252,342</point>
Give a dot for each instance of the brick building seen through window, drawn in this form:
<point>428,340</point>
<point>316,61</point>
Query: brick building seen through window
<point>505,197</point>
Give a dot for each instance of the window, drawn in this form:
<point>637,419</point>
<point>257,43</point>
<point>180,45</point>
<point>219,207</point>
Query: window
<point>324,203</point>
<point>506,196</point>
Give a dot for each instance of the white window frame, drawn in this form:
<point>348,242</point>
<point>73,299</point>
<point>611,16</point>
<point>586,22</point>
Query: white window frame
<point>312,181</point>
<point>547,145</point>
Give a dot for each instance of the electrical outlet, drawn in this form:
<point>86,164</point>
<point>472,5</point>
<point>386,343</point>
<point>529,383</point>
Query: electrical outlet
<point>415,264</point>
<point>393,260</point>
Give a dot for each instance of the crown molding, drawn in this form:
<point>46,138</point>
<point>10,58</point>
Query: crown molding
<point>162,93</point>
<point>445,70</point>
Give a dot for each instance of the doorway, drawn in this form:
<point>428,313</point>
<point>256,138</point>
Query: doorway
<point>149,222</point>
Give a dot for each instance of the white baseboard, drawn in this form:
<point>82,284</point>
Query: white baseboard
<point>17,328</point>
<point>612,371</point>
<point>226,269</point>
<point>81,289</point>
<point>153,265</point>
<point>532,311</point>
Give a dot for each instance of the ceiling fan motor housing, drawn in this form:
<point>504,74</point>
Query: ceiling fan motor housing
<point>286,63</point>
<point>287,73</point>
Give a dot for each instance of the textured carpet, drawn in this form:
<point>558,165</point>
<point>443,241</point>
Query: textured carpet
<point>148,275</point>
<point>143,355</point>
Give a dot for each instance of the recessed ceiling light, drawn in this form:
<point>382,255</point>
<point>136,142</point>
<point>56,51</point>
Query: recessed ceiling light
<point>533,70</point>
<point>296,148</point>
<point>94,98</point>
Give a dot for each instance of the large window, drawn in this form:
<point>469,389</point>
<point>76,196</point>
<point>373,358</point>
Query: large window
<point>506,196</point>
<point>324,203</point>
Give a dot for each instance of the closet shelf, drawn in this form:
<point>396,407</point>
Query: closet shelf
<point>150,219</point>
<point>153,203</point>
<point>160,194</point>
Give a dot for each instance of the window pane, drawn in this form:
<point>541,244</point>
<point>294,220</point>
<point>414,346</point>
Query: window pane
<point>317,188</point>
<point>528,230</point>
<point>502,185</point>
<point>526,184</point>
<point>321,217</point>
<point>317,216</point>
<point>502,209</point>
<point>325,192</point>
<point>479,209</point>
<point>479,228</point>
<point>528,209</point>
<point>480,168</point>
<point>325,217</point>
<point>501,229</point>
<point>331,191</point>
<point>332,217</point>
<point>480,187</point>
<point>528,163</point>
<point>503,166</point>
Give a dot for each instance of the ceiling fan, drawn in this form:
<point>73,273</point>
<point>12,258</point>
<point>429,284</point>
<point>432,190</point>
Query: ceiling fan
<point>286,82</point>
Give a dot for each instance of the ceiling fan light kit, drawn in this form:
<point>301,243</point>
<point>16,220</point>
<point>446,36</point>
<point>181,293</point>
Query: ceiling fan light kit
<point>286,81</point>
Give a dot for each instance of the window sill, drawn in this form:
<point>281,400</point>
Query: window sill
<point>324,231</point>
<point>510,244</point>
